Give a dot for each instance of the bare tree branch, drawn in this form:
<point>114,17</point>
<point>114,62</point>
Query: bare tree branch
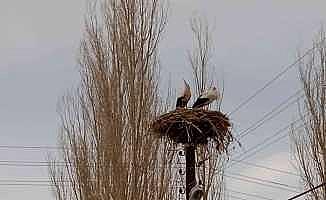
<point>309,143</point>
<point>105,138</point>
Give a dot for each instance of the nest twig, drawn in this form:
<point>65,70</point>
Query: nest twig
<point>195,126</point>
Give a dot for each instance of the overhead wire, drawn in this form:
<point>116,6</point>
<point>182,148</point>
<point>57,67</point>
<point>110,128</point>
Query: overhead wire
<point>17,163</point>
<point>236,197</point>
<point>260,183</point>
<point>38,164</point>
<point>307,191</point>
<point>46,164</point>
<point>263,120</point>
<point>249,195</point>
<point>265,167</point>
<point>233,175</point>
<point>267,142</point>
<point>264,180</point>
<point>44,184</point>
<point>276,77</point>
<point>245,178</point>
<point>34,182</point>
<point>270,115</point>
<point>36,147</point>
<point>39,180</point>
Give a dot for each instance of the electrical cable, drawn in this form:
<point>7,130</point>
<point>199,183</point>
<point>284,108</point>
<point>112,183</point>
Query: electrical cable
<point>276,77</point>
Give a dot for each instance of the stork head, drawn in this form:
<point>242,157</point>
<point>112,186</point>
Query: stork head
<point>214,92</point>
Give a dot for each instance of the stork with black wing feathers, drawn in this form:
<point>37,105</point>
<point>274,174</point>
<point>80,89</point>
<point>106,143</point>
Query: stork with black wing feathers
<point>206,98</point>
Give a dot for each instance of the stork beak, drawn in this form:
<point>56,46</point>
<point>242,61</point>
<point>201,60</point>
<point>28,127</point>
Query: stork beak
<point>187,87</point>
<point>186,84</point>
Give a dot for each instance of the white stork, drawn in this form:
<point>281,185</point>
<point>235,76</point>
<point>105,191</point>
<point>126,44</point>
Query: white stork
<point>206,98</point>
<point>182,101</point>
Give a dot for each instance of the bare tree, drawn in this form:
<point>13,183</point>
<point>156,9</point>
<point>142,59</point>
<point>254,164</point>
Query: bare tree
<point>212,169</point>
<point>309,143</point>
<point>106,143</point>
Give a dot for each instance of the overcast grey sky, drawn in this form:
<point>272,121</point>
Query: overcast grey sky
<point>254,40</point>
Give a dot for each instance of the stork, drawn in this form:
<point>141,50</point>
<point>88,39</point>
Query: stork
<point>206,98</point>
<point>182,101</point>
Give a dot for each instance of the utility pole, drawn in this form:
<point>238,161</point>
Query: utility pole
<point>190,168</point>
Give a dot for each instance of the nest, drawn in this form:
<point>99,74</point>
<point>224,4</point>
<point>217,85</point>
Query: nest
<point>195,126</point>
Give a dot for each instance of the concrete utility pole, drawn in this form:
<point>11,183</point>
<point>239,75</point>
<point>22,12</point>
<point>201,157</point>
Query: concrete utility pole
<point>190,169</point>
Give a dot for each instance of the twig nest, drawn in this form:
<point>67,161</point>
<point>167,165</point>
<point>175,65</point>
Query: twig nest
<point>195,126</point>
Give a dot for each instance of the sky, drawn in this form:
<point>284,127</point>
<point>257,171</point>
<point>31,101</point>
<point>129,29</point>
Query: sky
<point>253,42</point>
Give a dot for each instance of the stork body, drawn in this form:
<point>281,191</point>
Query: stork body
<point>182,101</point>
<point>206,98</point>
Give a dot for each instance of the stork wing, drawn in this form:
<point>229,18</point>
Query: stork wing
<point>200,102</point>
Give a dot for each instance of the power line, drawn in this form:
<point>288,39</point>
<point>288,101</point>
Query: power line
<point>270,115</point>
<point>268,144</point>
<point>42,183</point>
<point>260,183</point>
<point>250,195</point>
<point>34,165</point>
<point>20,184</point>
<point>264,167</point>
<point>48,182</point>
<point>31,181</point>
<point>259,150</point>
<point>28,147</point>
<point>305,192</point>
<point>263,120</point>
<point>277,139</point>
<point>259,125</point>
<point>279,75</point>
<point>52,185</point>
<point>43,164</point>
<point>63,164</point>
<point>236,197</point>
<point>264,180</point>
<point>263,147</point>
<point>27,184</point>
<point>46,164</point>
<point>269,139</point>
<point>232,175</point>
